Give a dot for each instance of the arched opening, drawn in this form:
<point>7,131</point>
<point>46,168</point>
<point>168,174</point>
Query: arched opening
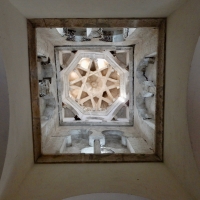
<point>106,196</point>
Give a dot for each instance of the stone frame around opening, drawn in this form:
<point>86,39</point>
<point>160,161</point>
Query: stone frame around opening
<point>159,23</point>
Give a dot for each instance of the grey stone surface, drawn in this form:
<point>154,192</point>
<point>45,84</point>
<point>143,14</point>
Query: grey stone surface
<point>146,47</point>
<point>68,113</point>
<point>138,145</point>
<point>67,142</point>
<point>114,142</point>
<point>48,108</point>
<point>97,146</point>
<point>48,71</point>
<point>122,56</point>
<point>141,107</point>
<point>141,69</point>
<point>50,105</point>
<point>96,136</point>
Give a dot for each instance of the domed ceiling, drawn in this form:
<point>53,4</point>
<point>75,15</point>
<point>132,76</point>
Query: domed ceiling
<point>94,85</point>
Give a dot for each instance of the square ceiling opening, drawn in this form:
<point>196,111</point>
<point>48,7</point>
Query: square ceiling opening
<point>97,89</point>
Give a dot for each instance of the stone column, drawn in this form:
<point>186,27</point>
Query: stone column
<point>97,147</point>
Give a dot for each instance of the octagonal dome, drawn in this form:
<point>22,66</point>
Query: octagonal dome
<point>94,85</point>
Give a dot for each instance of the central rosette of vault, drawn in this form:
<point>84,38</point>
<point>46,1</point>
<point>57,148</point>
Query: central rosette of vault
<point>94,85</point>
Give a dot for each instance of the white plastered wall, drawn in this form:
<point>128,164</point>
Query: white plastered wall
<point>183,30</point>
<point>176,178</point>
<point>193,99</point>
<point>13,45</point>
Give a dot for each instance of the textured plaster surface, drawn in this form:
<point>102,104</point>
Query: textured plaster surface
<point>49,126</point>
<point>146,45</point>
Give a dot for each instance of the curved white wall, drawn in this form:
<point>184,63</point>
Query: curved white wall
<point>183,30</point>
<point>194,104</point>
<point>4,113</point>
<point>14,51</point>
